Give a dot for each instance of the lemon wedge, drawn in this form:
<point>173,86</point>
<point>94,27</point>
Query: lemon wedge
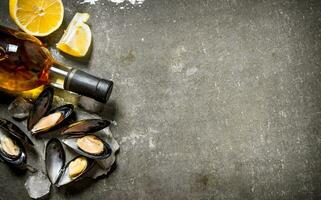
<point>77,38</point>
<point>37,17</point>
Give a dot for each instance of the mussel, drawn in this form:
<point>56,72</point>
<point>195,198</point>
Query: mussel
<point>41,106</point>
<point>39,121</point>
<point>86,126</point>
<point>55,159</point>
<point>53,119</point>
<point>60,173</point>
<point>74,170</point>
<point>15,131</point>
<point>11,149</point>
<point>88,145</point>
<point>77,137</point>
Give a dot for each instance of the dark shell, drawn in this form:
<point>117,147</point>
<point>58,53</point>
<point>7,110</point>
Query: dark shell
<point>15,131</point>
<point>86,126</point>
<point>40,107</point>
<point>65,179</point>
<point>20,161</point>
<point>55,159</point>
<point>71,141</point>
<point>66,111</point>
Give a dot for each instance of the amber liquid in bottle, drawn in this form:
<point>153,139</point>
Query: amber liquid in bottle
<point>25,64</point>
<point>24,61</point>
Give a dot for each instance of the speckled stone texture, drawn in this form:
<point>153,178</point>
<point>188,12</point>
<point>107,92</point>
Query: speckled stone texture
<point>213,99</point>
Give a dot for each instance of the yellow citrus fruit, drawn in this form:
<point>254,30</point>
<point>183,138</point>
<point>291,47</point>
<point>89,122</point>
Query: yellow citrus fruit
<point>77,38</point>
<point>37,17</point>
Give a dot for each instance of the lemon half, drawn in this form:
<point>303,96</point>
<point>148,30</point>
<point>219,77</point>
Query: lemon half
<point>37,17</point>
<point>77,38</point>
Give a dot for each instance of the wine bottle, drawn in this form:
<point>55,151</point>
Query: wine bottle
<point>25,64</point>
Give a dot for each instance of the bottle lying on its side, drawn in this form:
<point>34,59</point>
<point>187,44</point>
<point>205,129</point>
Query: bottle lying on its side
<point>25,64</point>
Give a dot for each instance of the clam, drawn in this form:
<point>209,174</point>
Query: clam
<point>53,119</point>
<point>11,149</point>
<point>88,145</point>
<point>15,131</point>
<point>74,170</point>
<point>55,159</point>
<point>41,106</point>
<point>86,126</point>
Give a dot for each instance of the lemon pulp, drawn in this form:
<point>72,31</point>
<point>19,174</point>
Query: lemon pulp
<point>37,17</point>
<point>77,38</point>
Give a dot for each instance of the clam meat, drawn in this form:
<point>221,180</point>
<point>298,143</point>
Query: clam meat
<point>91,144</point>
<point>47,122</point>
<point>9,147</point>
<point>77,167</point>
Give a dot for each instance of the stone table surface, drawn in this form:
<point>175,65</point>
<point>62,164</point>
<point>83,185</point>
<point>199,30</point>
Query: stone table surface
<point>213,99</point>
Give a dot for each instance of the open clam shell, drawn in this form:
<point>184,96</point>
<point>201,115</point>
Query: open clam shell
<point>15,131</point>
<point>53,119</point>
<point>40,107</point>
<point>55,159</point>
<point>73,142</point>
<point>11,149</point>
<point>66,173</point>
<point>86,126</point>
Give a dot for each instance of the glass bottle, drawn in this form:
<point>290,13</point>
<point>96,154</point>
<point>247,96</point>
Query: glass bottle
<point>25,64</point>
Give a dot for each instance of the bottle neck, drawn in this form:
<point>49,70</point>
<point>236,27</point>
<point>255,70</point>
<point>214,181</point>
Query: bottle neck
<point>58,75</point>
<point>58,71</point>
<point>80,82</point>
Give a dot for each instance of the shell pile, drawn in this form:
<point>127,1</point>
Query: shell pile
<point>83,138</point>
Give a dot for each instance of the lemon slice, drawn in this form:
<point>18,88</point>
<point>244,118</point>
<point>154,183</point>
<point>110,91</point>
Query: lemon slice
<point>77,38</point>
<point>37,17</point>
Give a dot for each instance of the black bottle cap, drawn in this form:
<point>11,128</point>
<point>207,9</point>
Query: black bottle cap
<point>88,85</point>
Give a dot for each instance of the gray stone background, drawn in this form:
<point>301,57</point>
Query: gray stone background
<point>213,99</point>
